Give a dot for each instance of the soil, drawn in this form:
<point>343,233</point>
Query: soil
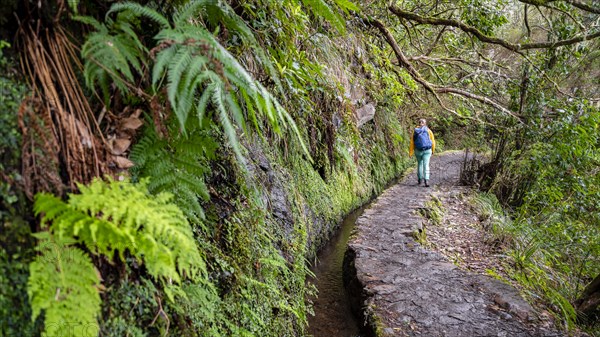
<point>439,288</point>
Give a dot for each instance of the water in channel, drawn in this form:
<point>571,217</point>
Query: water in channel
<point>333,317</point>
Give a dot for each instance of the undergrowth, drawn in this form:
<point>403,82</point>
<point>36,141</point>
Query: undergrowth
<point>533,261</point>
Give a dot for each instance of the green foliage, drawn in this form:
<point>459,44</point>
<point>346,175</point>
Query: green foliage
<point>63,284</point>
<point>529,257</point>
<point>177,165</point>
<point>74,4</point>
<point>16,244</point>
<point>113,54</point>
<point>268,272</point>
<point>210,77</point>
<point>434,211</point>
<point>16,253</point>
<point>12,93</point>
<point>484,15</point>
<point>199,70</point>
<point>321,8</point>
<point>132,305</point>
<point>119,216</point>
<point>552,183</point>
<point>200,61</point>
<point>121,326</point>
<point>493,217</point>
<point>109,217</point>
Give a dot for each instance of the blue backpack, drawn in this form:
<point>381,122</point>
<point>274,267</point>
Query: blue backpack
<point>421,138</point>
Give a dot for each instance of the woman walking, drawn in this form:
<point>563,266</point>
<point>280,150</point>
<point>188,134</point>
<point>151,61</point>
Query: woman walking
<point>422,144</point>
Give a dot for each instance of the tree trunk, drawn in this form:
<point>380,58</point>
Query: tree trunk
<point>588,304</point>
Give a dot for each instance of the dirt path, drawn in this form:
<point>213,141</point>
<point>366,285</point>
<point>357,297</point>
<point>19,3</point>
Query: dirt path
<point>403,289</point>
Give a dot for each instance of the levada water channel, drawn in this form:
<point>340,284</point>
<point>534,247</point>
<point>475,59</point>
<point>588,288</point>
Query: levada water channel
<point>333,316</point>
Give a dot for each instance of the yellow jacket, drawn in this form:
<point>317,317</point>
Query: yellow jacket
<point>411,150</point>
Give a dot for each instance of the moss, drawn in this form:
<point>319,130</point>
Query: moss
<point>434,211</point>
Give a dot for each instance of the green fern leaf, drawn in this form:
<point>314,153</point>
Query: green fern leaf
<point>174,167</point>
<point>347,5</point>
<point>140,10</point>
<point>88,20</point>
<point>321,8</point>
<point>119,216</point>
<point>160,66</point>
<point>110,53</point>
<point>226,123</point>
<point>63,284</point>
<point>190,10</point>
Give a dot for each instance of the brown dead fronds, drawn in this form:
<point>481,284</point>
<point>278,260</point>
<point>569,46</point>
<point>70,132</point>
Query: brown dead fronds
<point>66,131</point>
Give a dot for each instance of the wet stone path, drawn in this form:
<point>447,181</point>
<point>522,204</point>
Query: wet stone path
<point>402,289</point>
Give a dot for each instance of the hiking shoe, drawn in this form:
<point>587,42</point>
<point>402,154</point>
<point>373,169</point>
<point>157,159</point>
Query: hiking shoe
<point>419,181</point>
<point>426,184</point>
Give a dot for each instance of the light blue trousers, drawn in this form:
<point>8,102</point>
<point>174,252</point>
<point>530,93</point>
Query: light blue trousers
<point>423,163</point>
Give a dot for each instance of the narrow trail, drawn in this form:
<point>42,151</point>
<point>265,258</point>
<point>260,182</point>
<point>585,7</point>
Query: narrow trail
<point>403,289</point>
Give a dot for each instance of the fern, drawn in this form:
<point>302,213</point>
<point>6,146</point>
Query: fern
<point>321,8</point>
<point>200,73</point>
<point>136,9</point>
<point>112,54</point>
<point>118,216</point>
<point>109,218</point>
<point>64,284</point>
<point>175,166</point>
<point>347,5</point>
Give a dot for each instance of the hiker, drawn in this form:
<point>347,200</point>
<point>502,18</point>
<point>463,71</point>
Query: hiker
<point>422,144</point>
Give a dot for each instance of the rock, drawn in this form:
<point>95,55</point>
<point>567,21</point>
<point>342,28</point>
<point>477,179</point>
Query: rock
<point>388,331</point>
<point>365,114</point>
<point>394,282</point>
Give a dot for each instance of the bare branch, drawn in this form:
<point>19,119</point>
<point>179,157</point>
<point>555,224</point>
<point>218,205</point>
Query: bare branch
<point>583,6</point>
<point>526,19</point>
<point>481,99</point>
<point>574,3</point>
<point>434,90</point>
<point>437,39</point>
<point>515,47</point>
<point>402,60</point>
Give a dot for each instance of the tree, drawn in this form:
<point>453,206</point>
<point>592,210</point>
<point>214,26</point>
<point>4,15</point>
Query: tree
<point>457,49</point>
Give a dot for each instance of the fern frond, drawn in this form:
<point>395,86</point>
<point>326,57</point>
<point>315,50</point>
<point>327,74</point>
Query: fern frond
<point>175,71</point>
<point>203,102</point>
<point>322,9</point>
<point>63,284</point>
<point>110,53</point>
<point>235,109</point>
<point>347,5</point>
<point>199,70</point>
<point>119,216</point>
<point>88,20</point>
<point>218,100</point>
<point>190,11</point>
<point>140,10</point>
<point>174,167</point>
<point>234,23</point>
<point>160,65</point>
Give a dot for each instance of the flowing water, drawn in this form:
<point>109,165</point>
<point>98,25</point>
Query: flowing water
<point>333,317</point>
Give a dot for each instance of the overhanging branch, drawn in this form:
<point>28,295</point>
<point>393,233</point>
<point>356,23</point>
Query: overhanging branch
<point>481,99</point>
<point>575,3</point>
<point>583,6</point>
<point>414,73</point>
<point>399,54</point>
<point>515,47</point>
